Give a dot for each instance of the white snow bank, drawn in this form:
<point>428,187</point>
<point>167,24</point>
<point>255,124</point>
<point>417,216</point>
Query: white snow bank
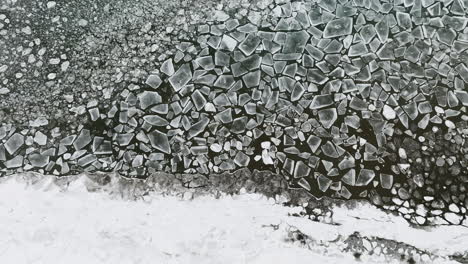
<point>76,226</point>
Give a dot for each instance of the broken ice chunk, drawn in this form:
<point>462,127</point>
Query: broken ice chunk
<point>301,170</point>
<point>320,101</point>
<point>167,67</point>
<point>338,27</point>
<point>14,143</point>
<point>367,33</point>
<point>241,159</point>
<point>40,138</point>
<point>148,99</point>
<point>37,160</point>
<point>198,127</point>
<point>251,79</point>
<point>314,143</point>
<point>250,44</point>
<point>224,81</point>
<point>205,62</point>
<point>404,20</point>
<point>238,125</point>
<point>297,92</point>
<point>182,76</point>
<point>349,177</point>
<point>228,43</point>
<point>386,181</point>
<point>159,141</point>
<point>388,112</point>
<point>295,42</point>
<point>446,35</point>
<point>156,120</point>
<point>154,81</point>
<point>224,116</point>
<point>222,59</point>
<point>323,183</point>
<point>83,139</point>
<point>365,177</point>
<point>198,100</point>
<point>357,49</point>
<point>382,30</point>
<point>15,162</point>
<point>327,117</point>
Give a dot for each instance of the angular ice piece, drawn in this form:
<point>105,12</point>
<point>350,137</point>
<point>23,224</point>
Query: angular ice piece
<point>334,47</point>
<point>250,44</point>
<point>462,96</point>
<point>323,183</point>
<point>40,138</point>
<point>314,52</point>
<point>148,99</point>
<point>329,150</point>
<point>94,113</point>
<point>198,100</point>
<point>2,153</point>
<point>15,162</point>
<point>301,170</point>
<point>238,125</point>
<point>404,20</point>
<point>251,79</point>
<point>338,27</point>
<point>156,120</point>
<point>358,104</point>
<point>222,100</point>
<point>222,59</point>
<point>357,49</point>
<point>329,5</point>
<point>349,177</point>
<point>446,35</point>
<point>314,143</point>
<point>345,193</point>
<point>320,101</point>
<point>367,33</point>
<point>388,112</point>
<point>198,127</point>
<point>241,159</point>
<point>297,92</point>
<point>386,181</point>
<point>154,81</point>
<point>316,76</point>
<point>251,63</point>
<point>382,30</point>
<point>14,143</point>
<point>167,67</point>
<point>225,116</point>
<point>228,43</point>
<point>37,160</point>
<point>182,76</point>
<point>224,81</point>
<point>159,141</point>
<point>365,177</point>
<point>304,184</point>
<point>124,139</point>
<point>462,71</point>
<point>83,139</point>
<point>327,117</point>
<point>206,62</point>
<point>295,42</point>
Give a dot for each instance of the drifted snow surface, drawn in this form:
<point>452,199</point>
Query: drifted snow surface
<point>46,225</point>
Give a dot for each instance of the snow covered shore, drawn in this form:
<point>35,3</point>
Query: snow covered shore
<point>43,224</point>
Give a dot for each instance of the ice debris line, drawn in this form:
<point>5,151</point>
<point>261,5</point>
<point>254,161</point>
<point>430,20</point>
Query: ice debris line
<point>358,99</point>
